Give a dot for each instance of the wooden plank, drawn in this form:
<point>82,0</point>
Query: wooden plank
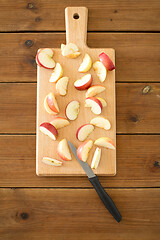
<point>138,164</point>
<point>44,214</point>
<point>46,146</point>
<point>104,15</point>
<point>137,107</point>
<point>137,55</point>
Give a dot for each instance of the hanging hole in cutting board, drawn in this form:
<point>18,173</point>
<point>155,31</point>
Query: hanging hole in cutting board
<point>76,16</point>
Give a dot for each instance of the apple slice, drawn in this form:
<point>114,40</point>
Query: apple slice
<point>86,64</point>
<point>49,130</point>
<point>107,62</point>
<point>101,122</point>
<point>44,58</point>
<point>70,50</point>
<point>84,131</point>
<point>62,46</point>
<point>96,158</point>
<point>63,150</point>
<point>57,73</point>
<point>51,161</point>
<point>95,104</point>
<point>105,142</point>
<point>94,90</point>
<point>83,150</point>
<point>84,82</point>
<point>104,104</point>
<point>50,104</point>
<point>72,110</point>
<point>59,122</point>
<point>61,86</point>
<point>100,70</point>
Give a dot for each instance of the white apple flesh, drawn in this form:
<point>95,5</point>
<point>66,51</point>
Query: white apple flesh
<point>96,158</point>
<point>105,142</point>
<point>84,82</point>
<point>101,122</point>
<point>49,130</point>
<point>61,86</point>
<point>59,122</point>
<point>100,70</point>
<point>86,64</point>
<point>72,110</point>
<point>70,50</point>
<point>44,58</point>
<point>57,73</point>
<point>50,104</point>
<point>63,150</point>
<point>95,104</point>
<point>51,161</point>
<point>94,90</point>
<point>84,131</point>
<point>83,150</point>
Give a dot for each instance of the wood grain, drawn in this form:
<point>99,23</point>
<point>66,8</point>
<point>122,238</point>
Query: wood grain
<point>117,15</point>
<point>138,164</point>
<point>137,55</point>
<point>137,107</point>
<point>76,31</point>
<point>78,214</point>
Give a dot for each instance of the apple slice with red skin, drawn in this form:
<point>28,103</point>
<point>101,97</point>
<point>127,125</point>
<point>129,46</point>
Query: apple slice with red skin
<point>95,104</point>
<point>84,131</point>
<point>107,62</point>
<point>83,150</point>
<point>72,110</point>
<point>105,142</point>
<point>96,158</point>
<point>44,58</point>
<point>59,122</point>
<point>49,130</point>
<point>104,103</point>
<point>63,150</point>
<point>52,162</point>
<point>50,104</point>
<point>84,82</point>
<point>94,90</point>
<point>101,122</point>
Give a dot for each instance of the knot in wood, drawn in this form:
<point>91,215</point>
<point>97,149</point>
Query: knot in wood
<point>24,215</point>
<point>30,5</point>
<point>29,43</point>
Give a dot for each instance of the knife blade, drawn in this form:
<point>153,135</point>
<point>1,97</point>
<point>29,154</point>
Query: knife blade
<point>105,198</point>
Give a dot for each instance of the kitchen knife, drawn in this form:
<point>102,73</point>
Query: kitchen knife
<point>107,201</point>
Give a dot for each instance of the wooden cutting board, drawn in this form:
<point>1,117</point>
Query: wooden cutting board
<point>76,32</point>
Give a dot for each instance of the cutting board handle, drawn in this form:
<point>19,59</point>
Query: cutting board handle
<point>76,25</point>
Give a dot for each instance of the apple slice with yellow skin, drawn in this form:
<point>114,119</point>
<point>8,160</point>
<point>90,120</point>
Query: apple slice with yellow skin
<point>50,104</point>
<point>101,122</point>
<point>63,150</point>
<point>44,58</point>
<point>57,73</point>
<point>52,162</point>
<point>100,70</point>
<point>94,90</point>
<point>107,62</point>
<point>83,150</point>
<point>105,142</point>
<point>95,104</point>
<point>104,103</point>
<point>84,131</point>
<point>84,82</point>
<point>96,158</point>
<point>61,86</point>
<point>72,110</point>
<point>70,50</point>
<point>86,64</point>
<point>49,130</point>
<point>59,122</point>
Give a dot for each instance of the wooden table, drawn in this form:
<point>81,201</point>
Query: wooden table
<point>59,208</point>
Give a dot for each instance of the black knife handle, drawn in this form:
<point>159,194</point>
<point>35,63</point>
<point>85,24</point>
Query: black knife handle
<point>107,201</point>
